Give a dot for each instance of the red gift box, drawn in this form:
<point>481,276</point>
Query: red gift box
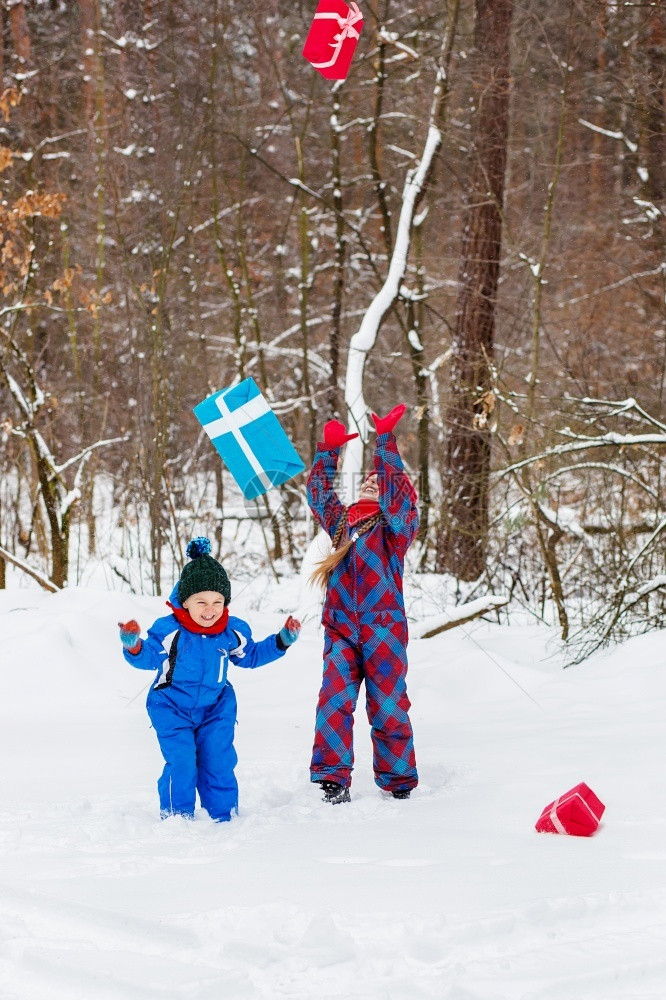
<point>334,32</point>
<point>577,812</point>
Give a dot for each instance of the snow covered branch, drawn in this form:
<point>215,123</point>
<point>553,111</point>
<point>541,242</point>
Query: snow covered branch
<point>627,406</point>
<point>582,442</point>
<point>42,580</point>
<point>454,615</point>
<point>84,455</point>
<point>604,467</point>
<point>612,286</point>
<point>657,583</point>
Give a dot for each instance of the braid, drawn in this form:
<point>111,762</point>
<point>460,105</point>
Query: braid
<point>369,524</point>
<point>342,524</point>
<point>324,568</point>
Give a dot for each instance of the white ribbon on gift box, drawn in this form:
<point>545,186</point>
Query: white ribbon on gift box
<point>347,30</point>
<point>231,422</point>
<point>555,819</point>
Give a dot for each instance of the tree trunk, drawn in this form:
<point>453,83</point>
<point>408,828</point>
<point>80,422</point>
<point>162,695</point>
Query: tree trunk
<point>20,32</point>
<point>419,375</point>
<point>598,173</point>
<point>3,573</point>
<point>57,520</point>
<point>340,263</point>
<point>462,542</point>
<point>88,13</point>
<point>655,112</point>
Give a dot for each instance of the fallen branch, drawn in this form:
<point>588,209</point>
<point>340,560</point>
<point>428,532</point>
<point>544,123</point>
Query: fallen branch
<point>455,615</point>
<point>42,580</point>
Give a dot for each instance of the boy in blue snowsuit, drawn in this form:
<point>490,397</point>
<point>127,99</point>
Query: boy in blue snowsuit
<point>191,704</point>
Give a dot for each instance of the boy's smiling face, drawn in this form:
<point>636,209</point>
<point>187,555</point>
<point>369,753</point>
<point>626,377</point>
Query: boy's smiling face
<point>205,608</point>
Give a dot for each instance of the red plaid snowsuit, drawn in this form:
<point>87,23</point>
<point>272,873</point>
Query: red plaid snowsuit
<point>365,627</point>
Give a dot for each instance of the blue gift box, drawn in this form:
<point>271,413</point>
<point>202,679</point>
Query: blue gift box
<point>249,437</point>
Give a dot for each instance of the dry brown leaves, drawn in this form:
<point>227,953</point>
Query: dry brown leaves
<point>9,99</point>
<point>91,300</point>
<point>32,204</point>
<point>483,407</point>
<point>516,435</point>
<point>64,283</point>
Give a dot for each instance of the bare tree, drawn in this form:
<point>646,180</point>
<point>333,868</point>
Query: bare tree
<point>464,532</point>
<point>58,493</point>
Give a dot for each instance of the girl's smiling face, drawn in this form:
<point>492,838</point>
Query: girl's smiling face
<point>370,488</point>
<point>205,608</point>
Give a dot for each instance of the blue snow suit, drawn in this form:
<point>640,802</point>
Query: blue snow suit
<point>192,707</point>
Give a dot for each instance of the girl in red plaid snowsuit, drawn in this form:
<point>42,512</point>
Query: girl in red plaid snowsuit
<point>364,615</point>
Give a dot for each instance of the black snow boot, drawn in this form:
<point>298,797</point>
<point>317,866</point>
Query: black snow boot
<point>402,793</point>
<point>334,793</point>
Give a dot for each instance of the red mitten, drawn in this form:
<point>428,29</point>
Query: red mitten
<point>335,434</point>
<point>384,425</point>
<point>290,631</point>
<point>130,633</point>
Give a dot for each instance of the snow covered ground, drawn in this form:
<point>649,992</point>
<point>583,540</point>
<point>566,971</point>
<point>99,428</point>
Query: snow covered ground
<point>449,895</point>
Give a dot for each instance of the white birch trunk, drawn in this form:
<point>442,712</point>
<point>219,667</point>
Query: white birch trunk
<point>365,338</point>
<point>360,346</point>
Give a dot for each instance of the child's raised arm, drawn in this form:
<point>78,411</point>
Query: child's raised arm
<point>397,496</point>
<point>324,502</point>
<point>145,655</point>
<point>249,653</point>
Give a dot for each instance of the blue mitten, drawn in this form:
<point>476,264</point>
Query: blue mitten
<point>290,631</point>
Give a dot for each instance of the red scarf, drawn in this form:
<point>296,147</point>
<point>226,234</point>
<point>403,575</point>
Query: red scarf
<point>184,618</point>
<point>361,511</point>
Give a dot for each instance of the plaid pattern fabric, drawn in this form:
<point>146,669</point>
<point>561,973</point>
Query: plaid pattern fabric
<point>365,627</point>
<point>369,579</point>
<point>374,653</point>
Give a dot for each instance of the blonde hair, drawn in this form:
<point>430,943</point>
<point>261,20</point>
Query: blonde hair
<point>325,567</point>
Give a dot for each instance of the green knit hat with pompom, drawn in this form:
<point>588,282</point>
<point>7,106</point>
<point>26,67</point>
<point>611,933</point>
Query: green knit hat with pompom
<point>202,573</point>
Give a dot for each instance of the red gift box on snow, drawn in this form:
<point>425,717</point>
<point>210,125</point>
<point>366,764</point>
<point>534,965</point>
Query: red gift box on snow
<point>577,812</point>
<point>334,32</point>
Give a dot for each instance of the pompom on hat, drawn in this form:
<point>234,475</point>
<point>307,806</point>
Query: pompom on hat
<point>202,573</point>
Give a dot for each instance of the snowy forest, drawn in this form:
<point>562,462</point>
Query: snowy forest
<point>472,223</point>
